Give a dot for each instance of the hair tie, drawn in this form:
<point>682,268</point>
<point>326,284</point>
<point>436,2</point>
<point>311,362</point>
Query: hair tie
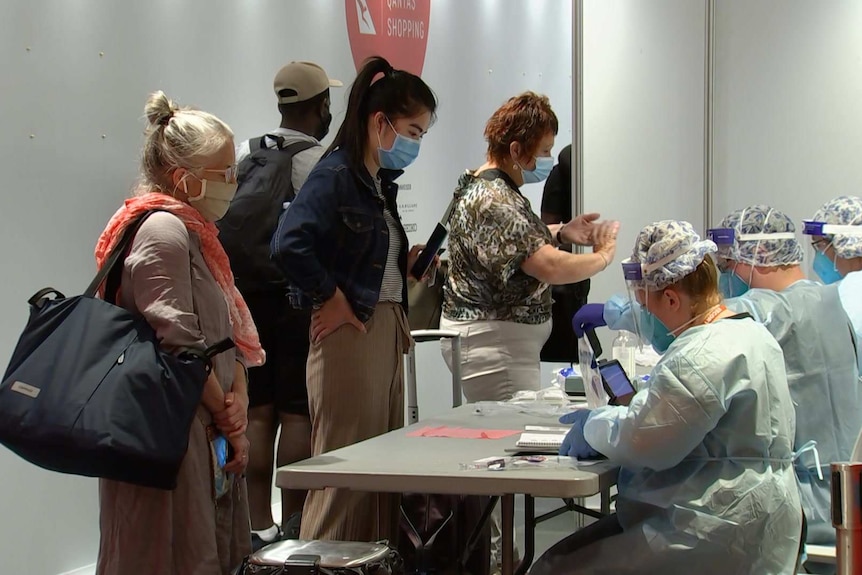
<point>164,121</point>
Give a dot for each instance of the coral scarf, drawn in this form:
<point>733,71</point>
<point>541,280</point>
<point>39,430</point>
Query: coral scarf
<point>244,331</point>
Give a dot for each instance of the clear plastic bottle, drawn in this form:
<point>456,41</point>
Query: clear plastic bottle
<point>623,351</point>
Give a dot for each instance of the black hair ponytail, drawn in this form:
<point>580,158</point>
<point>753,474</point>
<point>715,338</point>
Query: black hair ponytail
<point>397,94</point>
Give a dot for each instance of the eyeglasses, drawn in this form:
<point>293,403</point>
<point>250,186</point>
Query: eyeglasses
<point>723,264</point>
<point>820,245</point>
<point>230,173</point>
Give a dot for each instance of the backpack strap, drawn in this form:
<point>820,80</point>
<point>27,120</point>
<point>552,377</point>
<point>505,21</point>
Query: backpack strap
<point>291,150</point>
<point>256,144</point>
<point>296,147</point>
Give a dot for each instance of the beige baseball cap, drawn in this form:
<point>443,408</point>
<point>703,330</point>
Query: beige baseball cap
<point>300,81</point>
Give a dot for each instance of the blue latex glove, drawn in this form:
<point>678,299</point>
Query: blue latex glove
<point>590,316</point>
<point>574,445</point>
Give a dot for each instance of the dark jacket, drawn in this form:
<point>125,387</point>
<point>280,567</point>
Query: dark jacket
<point>334,234</point>
<point>562,345</point>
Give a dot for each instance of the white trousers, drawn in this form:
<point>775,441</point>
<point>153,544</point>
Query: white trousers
<point>498,359</point>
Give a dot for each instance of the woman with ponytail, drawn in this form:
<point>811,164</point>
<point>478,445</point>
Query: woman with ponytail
<point>343,249</point>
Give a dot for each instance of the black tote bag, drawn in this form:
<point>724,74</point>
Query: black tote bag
<point>89,391</point>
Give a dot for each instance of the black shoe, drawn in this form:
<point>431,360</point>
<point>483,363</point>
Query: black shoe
<point>291,526</point>
<point>257,543</point>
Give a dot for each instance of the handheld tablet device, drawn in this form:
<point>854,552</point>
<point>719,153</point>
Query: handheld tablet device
<point>616,383</point>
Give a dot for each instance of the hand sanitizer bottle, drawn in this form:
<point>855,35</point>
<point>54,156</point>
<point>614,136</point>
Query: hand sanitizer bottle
<point>624,352</point>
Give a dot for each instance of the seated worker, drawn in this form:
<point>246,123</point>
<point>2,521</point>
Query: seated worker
<point>706,480</point>
<point>837,239</point>
<point>761,259</point>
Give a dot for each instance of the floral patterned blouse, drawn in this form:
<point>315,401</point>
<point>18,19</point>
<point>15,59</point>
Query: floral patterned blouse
<point>493,230</point>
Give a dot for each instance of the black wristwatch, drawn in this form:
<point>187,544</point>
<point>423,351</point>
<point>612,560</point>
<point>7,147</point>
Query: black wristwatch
<point>560,237</point>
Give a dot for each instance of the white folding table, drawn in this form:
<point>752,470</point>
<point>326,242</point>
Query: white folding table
<point>396,463</point>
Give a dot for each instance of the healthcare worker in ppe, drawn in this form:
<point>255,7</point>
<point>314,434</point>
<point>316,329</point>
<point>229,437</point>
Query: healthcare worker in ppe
<point>760,261</point>
<point>706,482</point>
<point>836,236</point>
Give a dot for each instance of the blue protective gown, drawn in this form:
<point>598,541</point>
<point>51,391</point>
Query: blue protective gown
<point>819,348</point>
<point>706,483</point>
<point>850,293</point>
<point>820,352</point>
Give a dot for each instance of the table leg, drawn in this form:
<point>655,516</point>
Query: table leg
<point>606,500</point>
<point>529,535</point>
<point>507,503</point>
<point>579,517</point>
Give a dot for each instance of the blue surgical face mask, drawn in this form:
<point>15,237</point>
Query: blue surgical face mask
<point>544,165</point>
<point>731,285</point>
<point>825,269</point>
<point>403,152</point>
<point>655,331</point>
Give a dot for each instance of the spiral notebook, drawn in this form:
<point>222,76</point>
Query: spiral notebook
<point>540,439</point>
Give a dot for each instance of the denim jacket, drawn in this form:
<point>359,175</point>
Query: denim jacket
<point>334,234</point>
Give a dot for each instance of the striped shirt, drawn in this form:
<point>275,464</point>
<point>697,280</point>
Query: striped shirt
<point>390,290</point>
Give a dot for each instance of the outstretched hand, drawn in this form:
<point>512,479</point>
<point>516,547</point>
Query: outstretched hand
<point>580,230</point>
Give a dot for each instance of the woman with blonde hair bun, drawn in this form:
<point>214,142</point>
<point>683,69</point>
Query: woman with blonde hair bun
<point>176,276</point>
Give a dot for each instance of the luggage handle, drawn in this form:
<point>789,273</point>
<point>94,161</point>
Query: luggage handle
<point>302,565</point>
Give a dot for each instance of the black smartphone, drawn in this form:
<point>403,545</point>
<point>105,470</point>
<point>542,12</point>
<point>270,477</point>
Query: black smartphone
<point>426,258</point>
<point>616,382</point>
<point>594,343</point>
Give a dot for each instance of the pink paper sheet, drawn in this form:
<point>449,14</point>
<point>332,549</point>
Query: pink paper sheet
<point>462,432</point>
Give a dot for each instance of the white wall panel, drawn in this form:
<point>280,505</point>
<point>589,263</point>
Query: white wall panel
<point>643,117</point>
<point>788,104</point>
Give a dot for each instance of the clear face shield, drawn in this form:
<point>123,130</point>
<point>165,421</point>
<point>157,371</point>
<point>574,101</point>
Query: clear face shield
<point>820,250</point>
<point>724,239</point>
<point>648,328</point>
<point>633,275</point>
<point>732,282</point>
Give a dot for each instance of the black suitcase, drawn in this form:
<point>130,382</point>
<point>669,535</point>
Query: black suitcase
<point>442,534</point>
<point>445,534</point>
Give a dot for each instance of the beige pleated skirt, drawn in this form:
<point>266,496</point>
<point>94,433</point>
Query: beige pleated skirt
<point>356,391</point>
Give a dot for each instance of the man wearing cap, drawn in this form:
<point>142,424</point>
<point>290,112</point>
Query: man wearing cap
<point>277,391</point>
<point>302,90</point>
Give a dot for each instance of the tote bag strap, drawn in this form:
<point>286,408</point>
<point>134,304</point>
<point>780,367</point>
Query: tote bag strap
<point>112,268</point>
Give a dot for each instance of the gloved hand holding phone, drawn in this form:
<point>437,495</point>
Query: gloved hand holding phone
<point>590,316</point>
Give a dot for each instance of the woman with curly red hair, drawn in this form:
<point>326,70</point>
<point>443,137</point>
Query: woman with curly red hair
<point>504,259</point>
